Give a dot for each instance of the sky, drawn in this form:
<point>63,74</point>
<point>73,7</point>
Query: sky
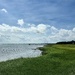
<point>37,21</point>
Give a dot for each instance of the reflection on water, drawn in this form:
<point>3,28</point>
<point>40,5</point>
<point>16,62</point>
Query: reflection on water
<point>12,51</point>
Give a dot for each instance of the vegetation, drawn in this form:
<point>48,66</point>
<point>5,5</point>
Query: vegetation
<point>57,59</point>
<point>66,42</point>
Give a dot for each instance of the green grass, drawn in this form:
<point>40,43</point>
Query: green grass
<point>56,60</point>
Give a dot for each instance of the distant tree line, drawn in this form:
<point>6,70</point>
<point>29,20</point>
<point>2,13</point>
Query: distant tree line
<point>66,42</point>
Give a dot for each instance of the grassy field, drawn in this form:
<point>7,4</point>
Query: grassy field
<point>56,60</point>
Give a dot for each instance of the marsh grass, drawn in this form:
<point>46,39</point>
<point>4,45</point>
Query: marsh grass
<point>56,60</point>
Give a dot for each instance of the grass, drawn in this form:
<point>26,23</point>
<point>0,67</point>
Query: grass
<point>56,60</point>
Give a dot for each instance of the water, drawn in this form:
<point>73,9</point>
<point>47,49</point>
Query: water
<point>13,51</point>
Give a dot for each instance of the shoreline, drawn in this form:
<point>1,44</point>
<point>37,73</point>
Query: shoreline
<point>55,60</point>
<point>33,53</point>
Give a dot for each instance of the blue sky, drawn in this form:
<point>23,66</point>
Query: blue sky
<point>35,18</point>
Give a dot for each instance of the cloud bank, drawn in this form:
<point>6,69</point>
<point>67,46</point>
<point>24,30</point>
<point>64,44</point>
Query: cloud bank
<point>40,33</point>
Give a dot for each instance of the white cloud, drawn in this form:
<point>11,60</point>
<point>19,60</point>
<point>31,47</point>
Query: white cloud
<point>62,35</point>
<point>21,22</point>
<point>41,28</point>
<point>21,34</point>
<point>4,10</point>
<point>53,30</point>
<point>29,34</point>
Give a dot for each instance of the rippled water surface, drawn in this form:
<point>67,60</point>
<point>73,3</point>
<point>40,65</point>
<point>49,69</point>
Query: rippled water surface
<point>12,51</point>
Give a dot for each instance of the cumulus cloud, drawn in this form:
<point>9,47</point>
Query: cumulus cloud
<point>21,22</point>
<point>4,10</point>
<point>41,28</point>
<point>62,35</point>
<point>21,34</point>
<point>54,30</point>
<point>40,33</point>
